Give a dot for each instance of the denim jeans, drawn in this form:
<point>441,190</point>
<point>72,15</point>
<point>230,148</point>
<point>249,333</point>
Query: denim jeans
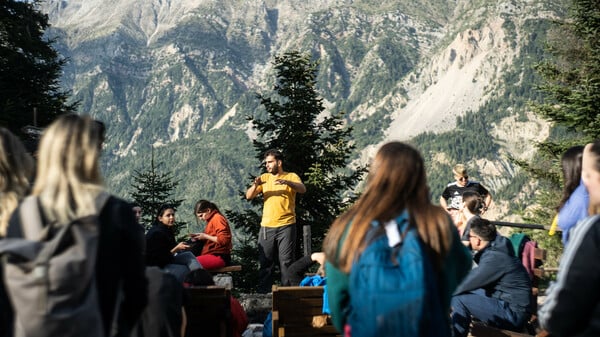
<point>489,310</point>
<point>181,265</point>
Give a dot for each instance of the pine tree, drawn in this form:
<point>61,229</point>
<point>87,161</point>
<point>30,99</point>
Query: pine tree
<point>315,145</point>
<point>30,69</point>
<point>152,189</point>
<point>570,84</point>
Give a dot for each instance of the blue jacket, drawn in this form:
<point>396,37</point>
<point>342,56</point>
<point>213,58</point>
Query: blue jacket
<point>501,275</point>
<point>574,210</point>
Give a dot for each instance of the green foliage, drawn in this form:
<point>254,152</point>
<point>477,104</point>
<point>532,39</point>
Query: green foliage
<point>245,252</point>
<point>571,76</point>
<point>152,189</point>
<point>315,146</point>
<point>30,69</point>
<point>570,87</point>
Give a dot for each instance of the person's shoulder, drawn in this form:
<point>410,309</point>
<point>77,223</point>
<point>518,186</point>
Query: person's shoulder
<point>452,185</point>
<point>290,175</point>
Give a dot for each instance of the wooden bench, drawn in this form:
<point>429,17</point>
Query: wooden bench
<point>297,311</point>
<point>208,312</point>
<point>532,327</point>
<point>226,269</point>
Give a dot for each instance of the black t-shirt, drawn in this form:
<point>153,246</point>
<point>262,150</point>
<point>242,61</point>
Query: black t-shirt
<point>453,193</point>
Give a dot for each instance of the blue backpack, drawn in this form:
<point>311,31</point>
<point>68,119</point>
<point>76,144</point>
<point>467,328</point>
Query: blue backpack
<point>394,290</point>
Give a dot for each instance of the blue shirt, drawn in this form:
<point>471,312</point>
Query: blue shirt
<point>574,210</point>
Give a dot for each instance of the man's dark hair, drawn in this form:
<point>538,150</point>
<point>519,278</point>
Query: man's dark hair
<point>275,153</point>
<point>484,229</point>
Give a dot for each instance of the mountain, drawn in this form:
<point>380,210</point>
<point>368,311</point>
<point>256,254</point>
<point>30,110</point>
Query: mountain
<point>453,77</point>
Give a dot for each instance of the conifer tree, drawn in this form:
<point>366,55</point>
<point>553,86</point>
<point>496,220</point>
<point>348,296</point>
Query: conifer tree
<point>152,189</point>
<point>30,69</point>
<point>315,145</point>
<point>570,84</point>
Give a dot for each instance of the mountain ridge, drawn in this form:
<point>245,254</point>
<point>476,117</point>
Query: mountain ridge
<point>171,73</point>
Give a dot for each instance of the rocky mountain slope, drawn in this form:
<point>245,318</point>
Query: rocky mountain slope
<point>181,75</point>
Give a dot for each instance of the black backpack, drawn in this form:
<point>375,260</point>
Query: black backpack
<point>50,274</point>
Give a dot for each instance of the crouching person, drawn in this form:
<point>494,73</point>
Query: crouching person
<point>497,291</point>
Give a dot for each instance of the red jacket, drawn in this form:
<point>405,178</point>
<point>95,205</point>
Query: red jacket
<point>217,226</point>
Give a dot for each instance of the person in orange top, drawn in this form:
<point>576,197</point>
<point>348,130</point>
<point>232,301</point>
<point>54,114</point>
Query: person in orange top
<point>216,238</point>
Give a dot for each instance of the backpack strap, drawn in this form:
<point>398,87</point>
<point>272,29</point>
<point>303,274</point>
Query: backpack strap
<point>101,200</point>
<point>31,218</point>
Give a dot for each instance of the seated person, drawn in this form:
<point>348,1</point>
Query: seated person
<point>216,238</point>
<point>471,209</point>
<point>300,267</point>
<point>163,251</point>
<point>497,291</point>
<point>164,314</point>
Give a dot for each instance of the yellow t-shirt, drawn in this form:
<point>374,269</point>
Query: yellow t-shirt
<point>279,208</point>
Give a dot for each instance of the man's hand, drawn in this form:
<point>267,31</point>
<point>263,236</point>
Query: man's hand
<point>282,182</point>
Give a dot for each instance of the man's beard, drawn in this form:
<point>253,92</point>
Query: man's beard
<point>275,170</point>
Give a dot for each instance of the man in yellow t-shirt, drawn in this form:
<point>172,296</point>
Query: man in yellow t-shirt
<point>278,226</point>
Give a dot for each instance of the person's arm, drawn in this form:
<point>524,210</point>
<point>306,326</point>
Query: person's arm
<point>297,186</point>
<point>254,189</point>
<point>444,203</point>
<point>134,283</point>
<point>481,276</point>
<point>571,301</point>
<point>575,209</point>
<point>487,202</point>
<point>158,249</point>
<point>337,295</point>
<point>222,232</point>
<point>456,266</point>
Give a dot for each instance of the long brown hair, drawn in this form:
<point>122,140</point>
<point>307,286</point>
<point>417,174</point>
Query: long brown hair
<point>396,182</point>
<point>570,163</point>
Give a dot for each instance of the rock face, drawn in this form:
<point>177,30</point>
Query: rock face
<point>170,73</point>
<point>257,306</point>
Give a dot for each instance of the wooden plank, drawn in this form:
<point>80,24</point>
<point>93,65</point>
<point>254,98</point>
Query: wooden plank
<point>539,254</point>
<point>294,309</point>
<point>480,329</point>
<point>226,269</point>
<point>208,312</point>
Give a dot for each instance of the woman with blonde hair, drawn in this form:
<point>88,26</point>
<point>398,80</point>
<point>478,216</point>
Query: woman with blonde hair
<point>396,185</point>
<point>67,186</point>
<point>16,170</point>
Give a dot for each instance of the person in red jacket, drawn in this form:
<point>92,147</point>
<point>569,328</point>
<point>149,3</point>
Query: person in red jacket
<point>216,238</point>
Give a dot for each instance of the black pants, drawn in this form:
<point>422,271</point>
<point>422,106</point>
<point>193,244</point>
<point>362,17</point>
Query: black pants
<point>272,241</point>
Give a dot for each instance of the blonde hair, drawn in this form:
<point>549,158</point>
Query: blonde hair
<point>459,170</point>
<point>16,169</point>
<point>68,177</point>
<point>396,182</point>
